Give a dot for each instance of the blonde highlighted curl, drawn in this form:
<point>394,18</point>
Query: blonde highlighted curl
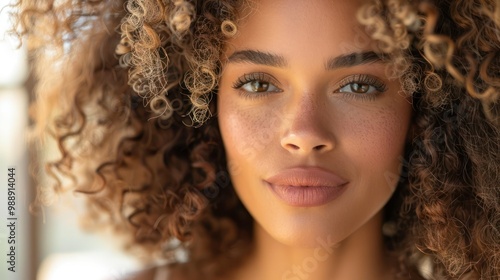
<point>127,89</point>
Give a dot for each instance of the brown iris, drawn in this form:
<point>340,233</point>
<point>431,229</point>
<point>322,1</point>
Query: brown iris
<point>359,88</point>
<point>258,86</point>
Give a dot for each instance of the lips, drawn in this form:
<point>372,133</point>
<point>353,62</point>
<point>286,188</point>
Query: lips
<point>306,186</point>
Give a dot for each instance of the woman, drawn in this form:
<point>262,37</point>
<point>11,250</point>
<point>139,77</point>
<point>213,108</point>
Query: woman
<point>279,139</point>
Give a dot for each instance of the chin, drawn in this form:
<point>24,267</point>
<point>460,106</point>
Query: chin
<point>313,227</point>
<point>306,229</point>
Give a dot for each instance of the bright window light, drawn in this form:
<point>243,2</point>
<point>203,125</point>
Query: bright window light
<point>13,60</point>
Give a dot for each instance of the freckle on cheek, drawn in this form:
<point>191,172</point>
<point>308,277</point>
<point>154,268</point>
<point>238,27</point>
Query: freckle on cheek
<point>381,135</point>
<point>394,132</point>
<point>254,130</point>
<point>242,132</point>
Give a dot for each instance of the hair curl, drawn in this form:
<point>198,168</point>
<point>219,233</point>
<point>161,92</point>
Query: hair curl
<point>450,204</point>
<point>127,88</point>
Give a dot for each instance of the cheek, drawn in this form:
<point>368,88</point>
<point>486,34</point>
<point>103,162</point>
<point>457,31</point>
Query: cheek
<point>377,143</point>
<point>382,135</point>
<point>246,132</point>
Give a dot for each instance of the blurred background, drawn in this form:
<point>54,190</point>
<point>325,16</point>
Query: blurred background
<point>50,244</point>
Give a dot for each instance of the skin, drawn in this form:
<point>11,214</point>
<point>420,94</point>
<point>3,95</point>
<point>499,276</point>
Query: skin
<point>305,120</point>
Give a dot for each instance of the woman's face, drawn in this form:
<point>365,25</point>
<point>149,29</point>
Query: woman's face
<point>313,128</point>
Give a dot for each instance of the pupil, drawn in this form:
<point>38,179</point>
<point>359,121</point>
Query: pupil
<point>359,88</point>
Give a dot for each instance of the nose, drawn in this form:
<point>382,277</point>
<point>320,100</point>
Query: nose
<point>308,128</point>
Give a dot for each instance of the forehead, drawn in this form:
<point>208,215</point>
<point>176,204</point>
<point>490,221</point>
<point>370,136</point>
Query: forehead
<point>303,32</point>
<point>298,24</point>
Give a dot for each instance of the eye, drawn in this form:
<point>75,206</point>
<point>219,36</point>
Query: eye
<point>259,86</point>
<point>358,88</point>
<point>361,86</point>
<point>256,85</point>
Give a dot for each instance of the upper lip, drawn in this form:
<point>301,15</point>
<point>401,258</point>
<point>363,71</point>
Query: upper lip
<point>306,177</point>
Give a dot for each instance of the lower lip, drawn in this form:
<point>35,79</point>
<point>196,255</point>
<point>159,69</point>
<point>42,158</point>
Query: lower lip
<point>306,196</point>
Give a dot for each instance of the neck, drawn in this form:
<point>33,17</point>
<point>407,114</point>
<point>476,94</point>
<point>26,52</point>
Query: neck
<point>361,256</point>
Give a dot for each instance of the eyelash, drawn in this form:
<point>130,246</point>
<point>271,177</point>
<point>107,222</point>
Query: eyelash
<point>255,77</point>
<point>379,86</point>
<point>364,79</point>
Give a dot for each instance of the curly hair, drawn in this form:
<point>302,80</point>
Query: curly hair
<point>127,90</point>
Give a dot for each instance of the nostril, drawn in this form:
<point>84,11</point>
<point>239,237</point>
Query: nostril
<point>306,144</point>
<point>293,146</point>
<point>319,147</point>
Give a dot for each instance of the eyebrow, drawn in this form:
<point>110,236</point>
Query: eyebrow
<point>353,59</point>
<point>258,57</point>
<point>274,60</point>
